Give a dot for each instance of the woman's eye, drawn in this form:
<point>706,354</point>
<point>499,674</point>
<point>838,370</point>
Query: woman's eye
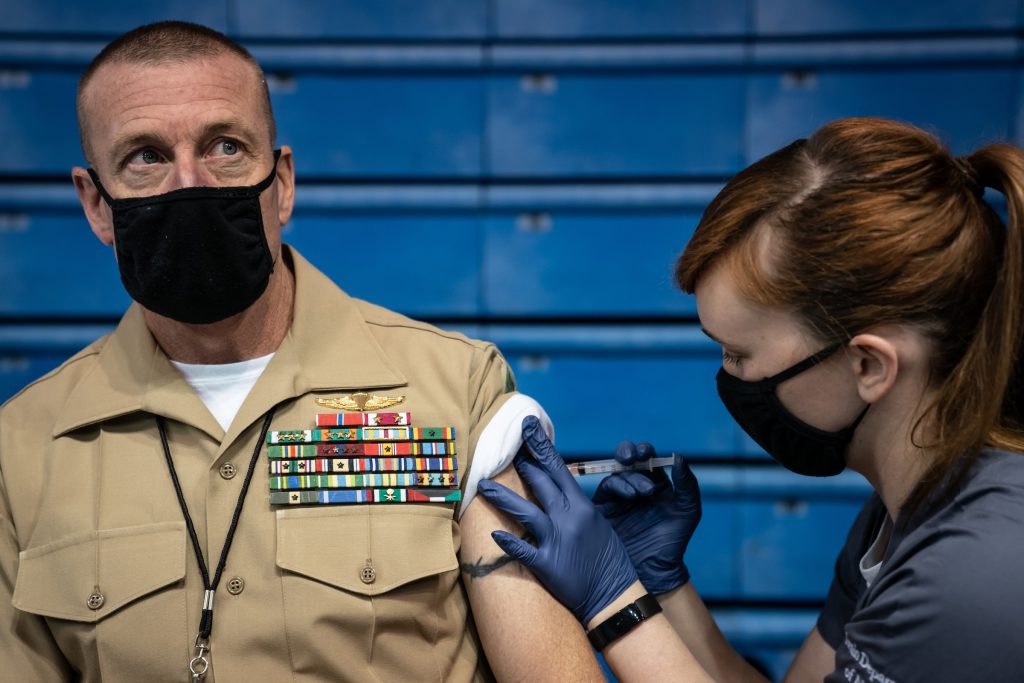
<point>731,359</point>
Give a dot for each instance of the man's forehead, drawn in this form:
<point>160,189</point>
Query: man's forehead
<point>124,78</point>
<point>124,97</point>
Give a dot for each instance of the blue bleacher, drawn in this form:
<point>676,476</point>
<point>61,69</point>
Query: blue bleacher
<point>968,105</point>
<point>38,122</point>
<point>653,379</point>
<point>837,17</point>
<point>107,19</point>
<point>427,265</point>
<point>527,171</point>
<point>382,125</point>
<point>593,124</point>
<point>361,19</point>
<point>550,263</point>
<point>51,264</point>
<point>603,19</point>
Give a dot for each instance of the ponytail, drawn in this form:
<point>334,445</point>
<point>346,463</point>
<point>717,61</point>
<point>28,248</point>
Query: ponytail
<point>978,403</point>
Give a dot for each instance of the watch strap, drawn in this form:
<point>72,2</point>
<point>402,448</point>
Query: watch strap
<point>623,621</point>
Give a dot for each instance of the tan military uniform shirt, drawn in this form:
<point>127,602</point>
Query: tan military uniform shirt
<point>97,575</point>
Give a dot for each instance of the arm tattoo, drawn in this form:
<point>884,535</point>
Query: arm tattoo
<point>480,569</point>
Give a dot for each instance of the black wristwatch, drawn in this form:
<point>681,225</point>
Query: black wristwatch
<point>623,621</point>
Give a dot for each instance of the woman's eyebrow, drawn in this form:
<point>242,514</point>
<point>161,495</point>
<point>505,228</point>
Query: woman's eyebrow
<point>737,348</point>
<point>712,337</point>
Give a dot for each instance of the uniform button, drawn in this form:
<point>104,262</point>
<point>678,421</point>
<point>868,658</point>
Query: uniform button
<point>367,574</point>
<point>236,585</point>
<point>95,601</point>
<point>228,471</point>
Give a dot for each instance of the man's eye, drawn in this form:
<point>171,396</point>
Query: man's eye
<point>228,147</point>
<point>146,156</point>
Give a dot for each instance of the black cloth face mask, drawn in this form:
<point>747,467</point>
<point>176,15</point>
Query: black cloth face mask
<point>796,445</point>
<point>196,255</point>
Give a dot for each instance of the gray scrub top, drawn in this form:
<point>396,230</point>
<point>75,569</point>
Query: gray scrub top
<point>947,603</point>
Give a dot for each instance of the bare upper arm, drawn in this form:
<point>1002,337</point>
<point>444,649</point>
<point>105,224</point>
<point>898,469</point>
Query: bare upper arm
<point>815,660</point>
<point>527,635</point>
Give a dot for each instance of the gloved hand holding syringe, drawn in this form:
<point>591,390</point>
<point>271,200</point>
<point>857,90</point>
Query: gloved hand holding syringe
<point>653,513</point>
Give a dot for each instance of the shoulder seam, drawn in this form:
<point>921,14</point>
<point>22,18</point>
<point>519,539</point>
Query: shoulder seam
<point>57,370</point>
<point>429,329</point>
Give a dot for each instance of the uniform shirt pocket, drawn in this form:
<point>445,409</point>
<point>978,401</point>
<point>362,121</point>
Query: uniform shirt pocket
<point>372,590</point>
<point>400,545</point>
<point>89,576</point>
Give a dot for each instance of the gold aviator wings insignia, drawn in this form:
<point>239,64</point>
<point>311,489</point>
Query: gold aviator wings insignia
<point>360,401</point>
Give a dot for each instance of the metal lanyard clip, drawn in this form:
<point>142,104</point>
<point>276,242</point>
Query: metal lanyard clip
<point>199,665</point>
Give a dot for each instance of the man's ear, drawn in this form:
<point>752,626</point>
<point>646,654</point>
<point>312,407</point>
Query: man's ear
<point>875,365</point>
<point>285,185</point>
<point>100,218</point>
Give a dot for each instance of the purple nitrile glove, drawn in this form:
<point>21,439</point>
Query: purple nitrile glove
<point>577,555</point>
<point>654,519</point>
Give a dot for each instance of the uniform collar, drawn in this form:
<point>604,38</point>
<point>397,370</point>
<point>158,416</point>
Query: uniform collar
<point>329,347</point>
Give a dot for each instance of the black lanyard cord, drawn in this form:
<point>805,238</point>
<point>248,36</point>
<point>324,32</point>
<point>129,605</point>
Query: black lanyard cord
<point>206,621</point>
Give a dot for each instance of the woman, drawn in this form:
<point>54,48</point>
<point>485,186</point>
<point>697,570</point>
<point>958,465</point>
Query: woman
<point>870,308</point>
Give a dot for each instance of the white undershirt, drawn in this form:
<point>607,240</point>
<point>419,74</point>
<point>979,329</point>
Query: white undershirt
<point>871,563</point>
<point>223,387</point>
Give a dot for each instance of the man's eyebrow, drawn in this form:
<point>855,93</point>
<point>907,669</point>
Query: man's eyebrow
<point>233,126</point>
<point>125,144</point>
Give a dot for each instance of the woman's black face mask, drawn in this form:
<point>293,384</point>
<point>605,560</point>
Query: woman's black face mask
<point>796,445</point>
<point>196,255</point>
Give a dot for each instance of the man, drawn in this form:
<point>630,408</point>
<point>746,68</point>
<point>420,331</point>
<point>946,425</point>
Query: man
<point>124,471</point>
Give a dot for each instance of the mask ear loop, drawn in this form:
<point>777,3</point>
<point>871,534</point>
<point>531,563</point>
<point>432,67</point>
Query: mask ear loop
<point>99,186</point>
<point>803,365</point>
<point>268,181</point>
<point>860,417</point>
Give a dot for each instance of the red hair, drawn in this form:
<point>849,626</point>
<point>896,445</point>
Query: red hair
<point>871,222</point>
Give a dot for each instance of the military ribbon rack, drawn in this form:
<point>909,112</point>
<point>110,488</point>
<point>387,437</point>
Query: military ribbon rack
<point>353,458</point>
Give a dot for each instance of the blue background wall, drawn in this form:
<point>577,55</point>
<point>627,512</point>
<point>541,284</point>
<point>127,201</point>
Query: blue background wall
<point>527,171</point>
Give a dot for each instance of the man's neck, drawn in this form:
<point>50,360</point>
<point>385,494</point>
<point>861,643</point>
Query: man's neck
<point>256,331</point>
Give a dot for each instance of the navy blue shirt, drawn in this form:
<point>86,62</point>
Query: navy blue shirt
<point>947,604</point>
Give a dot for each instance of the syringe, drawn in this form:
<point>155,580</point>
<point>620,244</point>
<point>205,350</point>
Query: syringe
<point>610,466</point>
